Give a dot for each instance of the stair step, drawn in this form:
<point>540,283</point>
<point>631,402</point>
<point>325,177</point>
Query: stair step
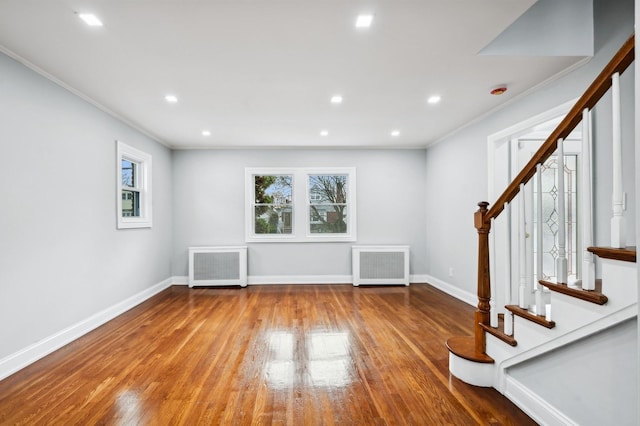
<point>523,313</point>
<point>499,332</point>
<point>593,296</point>
<point>626,254</point>
<point>465,347</point>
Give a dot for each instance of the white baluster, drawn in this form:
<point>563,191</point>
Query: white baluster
<point>588,266</point>
<point>493,318</point>
<point>522,248</point>
<point>508,316</point>
<point>617,221</point>
<point>528,226</point>
<point>561,261</point>
<point>539,274</point>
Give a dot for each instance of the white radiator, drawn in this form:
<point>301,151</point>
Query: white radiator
<point>211,266</point>
<point>380,265</point>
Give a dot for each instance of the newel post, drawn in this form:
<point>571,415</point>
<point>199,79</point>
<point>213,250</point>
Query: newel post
<point>482,315</point>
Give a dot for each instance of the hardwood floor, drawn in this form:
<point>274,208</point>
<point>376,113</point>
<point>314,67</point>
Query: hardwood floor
<point>286,354</point>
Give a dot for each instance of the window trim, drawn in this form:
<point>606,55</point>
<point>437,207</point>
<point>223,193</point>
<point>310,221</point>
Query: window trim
<point>300,196</point>
<point>143,186</point>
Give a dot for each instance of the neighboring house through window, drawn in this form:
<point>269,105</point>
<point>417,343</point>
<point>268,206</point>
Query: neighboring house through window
<point>133,187</point>
<point>300,204</point>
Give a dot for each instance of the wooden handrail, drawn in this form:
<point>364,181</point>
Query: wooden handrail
<point>589,99</point>
<point>482,217</point>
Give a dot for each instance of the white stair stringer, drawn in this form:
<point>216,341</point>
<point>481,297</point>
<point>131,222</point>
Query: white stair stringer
<point>575,319</point>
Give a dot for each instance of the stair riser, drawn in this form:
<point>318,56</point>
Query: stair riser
<point>619,282</point>
<point>571,314</point>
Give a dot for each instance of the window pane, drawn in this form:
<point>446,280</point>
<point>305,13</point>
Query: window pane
<point>129,177</point>
<point>271,219</point>
<point>327,189</point>
<point>273,208</point>
<point>130,203</point>
<point>327,204</point>
<point>328,218</point>
<point>272,189</point>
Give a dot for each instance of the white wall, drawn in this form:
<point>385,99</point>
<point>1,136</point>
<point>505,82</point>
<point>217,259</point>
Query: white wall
<point>589,390</point>
<point>456,168</point>
<point>209,188</point>
<point>61,258</point>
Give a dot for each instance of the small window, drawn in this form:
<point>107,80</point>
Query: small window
<point>134,187</point>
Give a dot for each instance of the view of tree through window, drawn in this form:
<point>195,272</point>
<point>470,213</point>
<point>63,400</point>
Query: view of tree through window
<point>133,187</point>
<point>300,204</point>
<point>273,206</point>
<point>130,192</point>
<point>328,204</point>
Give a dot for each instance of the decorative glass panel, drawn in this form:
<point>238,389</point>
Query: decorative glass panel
<point>550,225</point>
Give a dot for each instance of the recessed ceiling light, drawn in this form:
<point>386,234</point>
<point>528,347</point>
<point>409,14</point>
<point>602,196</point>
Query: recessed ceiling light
<point>434,99</point>
<point>324,133</point>
<point>336,99</point>
<point>206,133</point>
<point>90,19</point>
<point>395,133</point>
<point>364,21</point>
<point>172,99</point>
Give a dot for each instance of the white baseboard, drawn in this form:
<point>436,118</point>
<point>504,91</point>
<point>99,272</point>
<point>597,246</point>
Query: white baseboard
<point>24,357</point>
<point>300,279</point>
<point>282,279</point>
<point>532,404</point>
<point>452,290</point>
<point>180,280</point>
<point>297,279</point>
<point>419,278</point>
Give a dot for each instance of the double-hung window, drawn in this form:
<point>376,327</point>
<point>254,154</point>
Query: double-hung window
<point>272,204</point>
<point>133,187</point>
<point>328,204</point>
<point>300,204</point>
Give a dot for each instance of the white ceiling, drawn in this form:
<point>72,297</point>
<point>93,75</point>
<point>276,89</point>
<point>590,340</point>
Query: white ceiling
<point>260,73</point>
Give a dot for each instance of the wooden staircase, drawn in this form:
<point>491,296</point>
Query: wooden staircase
<point>469,358</point>
<point>592,296</point>
<point>462,346</point>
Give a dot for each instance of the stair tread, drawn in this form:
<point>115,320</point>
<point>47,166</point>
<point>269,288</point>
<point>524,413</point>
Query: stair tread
<point>627,254</point>
<point>594,296</point>
<point>499,332</point>
<point>465,347</point>
<point>523,313</point>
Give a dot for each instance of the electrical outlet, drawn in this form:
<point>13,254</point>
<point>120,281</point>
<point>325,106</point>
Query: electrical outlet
<point>450,272</point>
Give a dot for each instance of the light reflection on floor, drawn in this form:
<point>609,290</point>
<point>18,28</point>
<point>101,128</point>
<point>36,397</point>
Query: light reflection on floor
<point>321,360</point>
<point>129,407</point>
